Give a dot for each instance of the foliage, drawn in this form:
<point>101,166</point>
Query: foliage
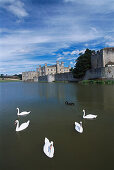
<point>18,76</point>
<point>2,76</point>
<point>83,63</point>
<point>71,69</point>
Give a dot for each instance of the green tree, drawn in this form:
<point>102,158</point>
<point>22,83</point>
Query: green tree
<point>2,76</point>
<point>71,69</point>
<point>83,63</point>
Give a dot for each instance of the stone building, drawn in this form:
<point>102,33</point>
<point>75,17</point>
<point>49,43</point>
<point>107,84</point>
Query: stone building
<point>29,76</point>
<point>103,58</point>
<point>54,69</point>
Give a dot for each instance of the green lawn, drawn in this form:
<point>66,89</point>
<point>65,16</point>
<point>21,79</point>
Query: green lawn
<point>9,80</point>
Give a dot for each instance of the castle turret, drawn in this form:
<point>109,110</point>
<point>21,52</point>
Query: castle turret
<point>45,69</point>
<point>62,67</point>
<point>40,72</point>
<point>69,67</point>
<point>57,67</point>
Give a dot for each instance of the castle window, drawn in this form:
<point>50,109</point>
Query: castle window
<point>51,69</point>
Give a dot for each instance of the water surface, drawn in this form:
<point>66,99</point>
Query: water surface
<point>51,118</point>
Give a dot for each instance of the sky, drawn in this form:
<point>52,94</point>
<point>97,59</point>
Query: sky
<point>35,32</point>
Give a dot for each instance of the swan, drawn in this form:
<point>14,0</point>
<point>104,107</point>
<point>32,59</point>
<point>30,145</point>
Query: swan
<point>89,116</point>
<point>22,113</point>
<point>22,126</point>
<point>48,148</point>
<point>78,127</point>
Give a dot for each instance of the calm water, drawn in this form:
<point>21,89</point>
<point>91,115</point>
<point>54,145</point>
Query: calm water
<point>51,118</point>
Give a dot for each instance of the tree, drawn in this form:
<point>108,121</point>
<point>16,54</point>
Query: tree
<point>71,69</point>
<point>2,76</point>
<point>83,63</point>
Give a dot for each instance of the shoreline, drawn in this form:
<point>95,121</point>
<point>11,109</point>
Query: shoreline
<point>97,81</point>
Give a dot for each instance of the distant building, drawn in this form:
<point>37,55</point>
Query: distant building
<point>53,69</point>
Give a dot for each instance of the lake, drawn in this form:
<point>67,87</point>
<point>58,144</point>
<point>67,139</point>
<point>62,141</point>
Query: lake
<point>51,118</point>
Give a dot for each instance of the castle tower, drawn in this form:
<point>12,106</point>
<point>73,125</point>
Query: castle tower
<point>69,67</point>
<point>40,72</point>
<point>62,67</point>
<point>45,69</point>
<point>37,71</point>
<point>108,55</point>
<point>57,67</point>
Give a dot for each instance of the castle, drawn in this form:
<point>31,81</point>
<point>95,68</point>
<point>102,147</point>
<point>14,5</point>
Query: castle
<point>102,67</point>
<point>45,70</point>
<point>54,69</point>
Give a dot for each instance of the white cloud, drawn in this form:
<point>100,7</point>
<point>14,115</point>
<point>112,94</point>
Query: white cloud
<point>54,27</point>
<point>66,52</point>
<point>110,44</point>
<point>60,58</point>
<point>16,7</point>
<point>91,2</point>
<point>18,66</point>
<point>77,52</point>
<point>72,63</point>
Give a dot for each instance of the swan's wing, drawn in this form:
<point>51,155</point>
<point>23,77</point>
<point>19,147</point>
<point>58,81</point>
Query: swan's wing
<point>91,115</point>
<point>24,125</point>
<point>47,151</point>
<point>24,112</point>
<point>46,140</point>
<point>77,124</point>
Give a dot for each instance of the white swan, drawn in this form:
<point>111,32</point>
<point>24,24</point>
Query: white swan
<point>48,148</point>
<point>89,116</point>
<point>78,127</point>
<point>22,113</point>
<point>22,126</point>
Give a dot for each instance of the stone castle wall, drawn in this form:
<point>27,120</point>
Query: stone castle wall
<point>97,59</point>
<point>100,73</point>
<point>57,77</point>
<point>29,75</point>
<point>108,55</point>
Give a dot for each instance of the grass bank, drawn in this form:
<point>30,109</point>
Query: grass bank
<point>96,82</point>
<point>9,80</point>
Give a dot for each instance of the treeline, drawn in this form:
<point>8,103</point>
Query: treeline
<point>15,76</point>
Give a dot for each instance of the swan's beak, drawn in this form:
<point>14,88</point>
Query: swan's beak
<point>15,123</point>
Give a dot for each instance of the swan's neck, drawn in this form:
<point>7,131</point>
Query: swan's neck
<point>18,111</point>
<point>84,113</point>
<point>17,125</point>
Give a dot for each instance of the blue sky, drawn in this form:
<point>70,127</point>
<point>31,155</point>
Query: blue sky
<point>34,32</point>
